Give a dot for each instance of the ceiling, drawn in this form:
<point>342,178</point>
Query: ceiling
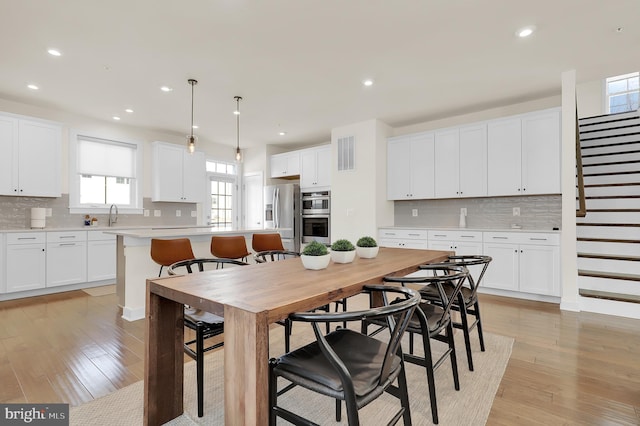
<point>299,64</point>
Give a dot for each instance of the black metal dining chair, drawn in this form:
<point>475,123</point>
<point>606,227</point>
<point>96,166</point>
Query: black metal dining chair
<point>347,365</point>
<point>205,324</point>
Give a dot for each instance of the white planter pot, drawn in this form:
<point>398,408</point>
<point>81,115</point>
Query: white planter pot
<point>367,252</point>
<point>343,256</point>
<point>315,262</point>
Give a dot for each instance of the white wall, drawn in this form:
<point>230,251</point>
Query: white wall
<point>117,131</point>
<point>591,98</point>
<point>358,197</point>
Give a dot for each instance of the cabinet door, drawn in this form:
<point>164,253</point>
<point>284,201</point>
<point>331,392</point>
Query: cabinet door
<point>308,169</point>
<point>39,165</point>
<point>504,141</point>
<point>422,166</point>
<point>101,260</point>
<point>9,157</point>
<point>541,153</point>
<point>539,270</point>
<point>447,163</point>
<point>503,271</point>
<point>167,166</point>
<point>323,166</point>
<point>25,268</point>
<point>279,165</point>
<point>473,161</point>
<point>398,168</point>
<point>441,245</point>
<point>194,177</point>
<point>66,263</point>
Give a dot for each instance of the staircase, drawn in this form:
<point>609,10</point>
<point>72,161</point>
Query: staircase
<point>608,236</point>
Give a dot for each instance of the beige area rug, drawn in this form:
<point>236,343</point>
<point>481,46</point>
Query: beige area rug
<point>100,291</point>
<point>469,406</point>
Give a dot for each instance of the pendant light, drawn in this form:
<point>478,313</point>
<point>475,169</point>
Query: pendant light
<point>237,113</point>
<point>191,140</point>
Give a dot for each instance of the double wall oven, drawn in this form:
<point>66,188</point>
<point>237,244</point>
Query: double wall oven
<point>316,217</point>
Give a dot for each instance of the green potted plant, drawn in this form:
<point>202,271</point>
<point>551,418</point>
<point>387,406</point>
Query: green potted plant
<point>315,256</point>
<point>367,247</point>
<point>342,251</point>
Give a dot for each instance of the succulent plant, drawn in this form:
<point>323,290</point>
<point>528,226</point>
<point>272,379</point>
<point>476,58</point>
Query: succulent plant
<point>315,248</point>
<point>367,242</point>
<point>342,245</point>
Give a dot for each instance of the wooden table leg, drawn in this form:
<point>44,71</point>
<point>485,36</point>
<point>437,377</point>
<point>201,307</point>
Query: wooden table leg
<point>246,384</point>
<point>164,360</point>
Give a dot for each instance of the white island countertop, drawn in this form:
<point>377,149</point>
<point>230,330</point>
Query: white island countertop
<point>175,232</point>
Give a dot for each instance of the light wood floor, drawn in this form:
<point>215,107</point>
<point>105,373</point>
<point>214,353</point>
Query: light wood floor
<point>566,368</point>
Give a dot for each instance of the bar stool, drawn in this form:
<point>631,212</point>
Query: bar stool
<point>266,242</point>
<point>168,252</point>
<point>229,247</point>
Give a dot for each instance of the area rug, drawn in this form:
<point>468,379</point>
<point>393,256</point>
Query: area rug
<point>469,406</point>
<point>100,291</point>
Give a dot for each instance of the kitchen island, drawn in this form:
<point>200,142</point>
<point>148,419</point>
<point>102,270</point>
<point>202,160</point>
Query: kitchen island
<point>134,263</point>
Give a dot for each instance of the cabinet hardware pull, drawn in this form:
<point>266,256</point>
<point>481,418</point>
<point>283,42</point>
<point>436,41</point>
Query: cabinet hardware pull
<point>538,239</point>
<point>439,235</point>
<point>67,236</point>
<point>415,235</point>
<point>467,236</point>
<point>66,244</point>
<point>26,238</point>
<point>500,238</point>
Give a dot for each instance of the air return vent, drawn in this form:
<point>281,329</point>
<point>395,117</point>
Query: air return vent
<point>346,153</point>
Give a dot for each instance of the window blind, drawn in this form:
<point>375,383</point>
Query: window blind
<point>106,158</point>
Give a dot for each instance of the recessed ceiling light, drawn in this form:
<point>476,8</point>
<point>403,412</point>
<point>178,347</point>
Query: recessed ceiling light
<point>54,52</point>
<point>32,87</point>
<point>166,89</point>
<point>129,110</point>
<point>282,133</point>
<point>368,82</point>
<point>525,32</point>
<point>115,117</point>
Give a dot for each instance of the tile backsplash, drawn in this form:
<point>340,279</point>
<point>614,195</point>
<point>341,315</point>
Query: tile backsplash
<point>542,212</point>
<point>15,213</point>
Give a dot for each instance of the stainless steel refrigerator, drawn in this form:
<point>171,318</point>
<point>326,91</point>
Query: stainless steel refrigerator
<point>282,212</point>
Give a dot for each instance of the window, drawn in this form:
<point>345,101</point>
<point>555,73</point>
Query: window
<point>622,93</point>
<point>222,194</point>
<point>103,172</point>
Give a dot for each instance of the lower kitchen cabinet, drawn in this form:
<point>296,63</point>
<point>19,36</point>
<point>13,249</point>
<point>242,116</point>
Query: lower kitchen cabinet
<point>523,262</point>
<point>25,261</point>
<point>66,258</point>
<point>403,238</point>
<point>101,256</point>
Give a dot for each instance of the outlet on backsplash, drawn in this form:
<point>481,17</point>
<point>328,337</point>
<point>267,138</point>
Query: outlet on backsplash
<point>516,211</point>
<point>414,212</point>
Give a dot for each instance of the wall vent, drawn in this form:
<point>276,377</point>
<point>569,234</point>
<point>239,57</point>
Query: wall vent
<point>346,153</point>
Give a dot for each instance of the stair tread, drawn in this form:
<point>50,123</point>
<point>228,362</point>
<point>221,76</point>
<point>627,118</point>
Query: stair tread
<point>609,257</point>
<point>608,240</point>
<point>632,298</point>
<point>612,275</point>
<point>631,225</point>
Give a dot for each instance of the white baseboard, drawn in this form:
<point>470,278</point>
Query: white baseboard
<point>133,314</point>
<point>569,306</point>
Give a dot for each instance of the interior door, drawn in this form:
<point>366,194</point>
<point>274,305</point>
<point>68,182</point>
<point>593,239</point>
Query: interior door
<point>252,201</point>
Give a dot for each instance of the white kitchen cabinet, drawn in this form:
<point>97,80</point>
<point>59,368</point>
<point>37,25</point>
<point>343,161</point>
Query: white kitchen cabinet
<point>101,256</point>
<point>523,154</point>
<point>3,286</point>
<point>31,162</point>
<point>315,168</point>
<point>177,175</point>
<point>523,262</point>
<point>410,167</point>
<point>461,162</point>
<point>285,164</point>
<point>66,258</point>
<point>462,242</point>
<point>25,261</point>
<point>403,238</point>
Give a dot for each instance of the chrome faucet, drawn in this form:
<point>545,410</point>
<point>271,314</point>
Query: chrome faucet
<point>113,219</point>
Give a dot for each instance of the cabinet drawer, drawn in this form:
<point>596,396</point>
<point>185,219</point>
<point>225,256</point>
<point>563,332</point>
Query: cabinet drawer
<point>406,234</point>
<point>538,238</point>
<point>435,235</point>
<point>100,236</point>
<point>66,236</point>
<point>26,237</point>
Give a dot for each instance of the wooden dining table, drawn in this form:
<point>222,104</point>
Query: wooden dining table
<point>250,298</point>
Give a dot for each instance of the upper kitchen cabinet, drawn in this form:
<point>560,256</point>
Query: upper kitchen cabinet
<point>177,175</point>
<point>315,168</point>
<point>410,167</point>
<point>30,164</point>
<point>285,165</point>
<point>524,154</point>
<point>460,162</point>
